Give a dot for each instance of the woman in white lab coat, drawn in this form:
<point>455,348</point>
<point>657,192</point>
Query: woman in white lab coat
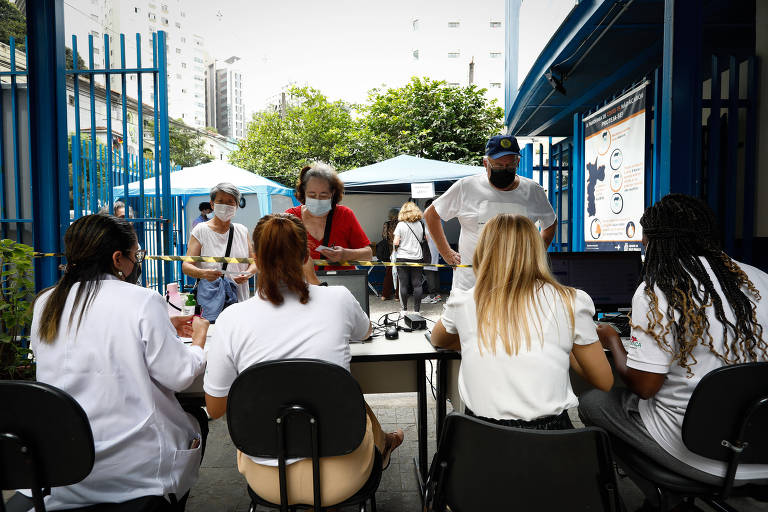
<point>111,345</point>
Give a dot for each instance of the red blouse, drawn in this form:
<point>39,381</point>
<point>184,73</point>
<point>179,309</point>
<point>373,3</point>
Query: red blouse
<point>345,232</point>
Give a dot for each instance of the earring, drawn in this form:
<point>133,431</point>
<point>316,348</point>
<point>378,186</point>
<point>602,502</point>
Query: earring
<point>120,273</point>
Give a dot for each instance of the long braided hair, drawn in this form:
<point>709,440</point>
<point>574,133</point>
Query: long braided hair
<point>681,230</point>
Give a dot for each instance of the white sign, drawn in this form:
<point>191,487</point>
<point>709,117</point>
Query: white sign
<point>422,190</point>
<point>614,160</point>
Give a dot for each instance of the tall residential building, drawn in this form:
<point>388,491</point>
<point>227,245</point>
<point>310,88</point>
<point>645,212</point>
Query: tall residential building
<point>224,98</point>
<point>21,5</point>
<point>460,42</point>
<point>184,50</point>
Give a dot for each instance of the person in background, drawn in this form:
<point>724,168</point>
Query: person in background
<point>695,311</point>
<point>111,345</point>
<point>210,239</point>
<point>118,208</point>
<point>389,289</point>
<point>409,233</point>
<point>319,190</point>
<point>518,331</point>
<point>206,211</point>
<point>289,318</point>
<point>432,274</point>
<point>475,200</point>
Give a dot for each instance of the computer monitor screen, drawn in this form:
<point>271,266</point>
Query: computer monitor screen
<point>356,281</point>
<point>610,278</point>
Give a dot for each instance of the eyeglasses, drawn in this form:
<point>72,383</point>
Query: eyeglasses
<point>140,255</point>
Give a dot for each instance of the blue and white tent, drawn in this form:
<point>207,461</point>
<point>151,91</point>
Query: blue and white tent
<point>198,181</point>
<point>396,175</point>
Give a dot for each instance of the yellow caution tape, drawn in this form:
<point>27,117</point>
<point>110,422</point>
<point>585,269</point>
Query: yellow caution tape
<point>325,263</point>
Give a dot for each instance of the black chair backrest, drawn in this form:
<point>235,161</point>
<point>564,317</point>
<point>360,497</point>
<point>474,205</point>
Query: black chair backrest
<point>492,467</point>
<point>261,392</point>
<point>718,407</point>
<point>55,430</point>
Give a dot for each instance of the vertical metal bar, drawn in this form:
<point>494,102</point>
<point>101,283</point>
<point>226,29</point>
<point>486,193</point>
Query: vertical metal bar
<point>48,143</point>
<point>93,167</point>
<point>109,168</point>
<point>3,210</point>
<point>570,196</point>
<point>165,164</point>
<point>729,213</point>
<point>750,161</point>
<point>15,141</point>
<point>714,172</point>
<point>76,138</point>
<point>126,161</point>
<point>560,198</point>
<point>157,214</point>
<point>577,185</point>
<point>541,164</point>
<point>657,153</point>
<point>550,174</point>
<point>140,156</point>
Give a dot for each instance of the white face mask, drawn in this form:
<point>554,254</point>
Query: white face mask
<point>318,207</point>
<point>224,212</point>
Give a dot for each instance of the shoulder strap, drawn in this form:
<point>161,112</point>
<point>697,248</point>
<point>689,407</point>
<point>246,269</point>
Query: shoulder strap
<point>229,246</point>
<point>328,222</point>
<point>423,232</point>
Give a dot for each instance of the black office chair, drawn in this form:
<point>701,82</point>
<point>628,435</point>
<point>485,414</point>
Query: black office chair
<point>299,408</point>
<point>45,439</point>
<point>726,420</point>
<point>484,466</point>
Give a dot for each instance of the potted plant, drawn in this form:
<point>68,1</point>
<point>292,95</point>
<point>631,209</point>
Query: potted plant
<point>16,293</point>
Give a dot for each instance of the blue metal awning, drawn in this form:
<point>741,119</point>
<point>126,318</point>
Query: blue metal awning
<point>603,47</point>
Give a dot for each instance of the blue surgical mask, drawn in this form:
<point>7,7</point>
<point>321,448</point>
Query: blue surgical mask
<point>318,207</point>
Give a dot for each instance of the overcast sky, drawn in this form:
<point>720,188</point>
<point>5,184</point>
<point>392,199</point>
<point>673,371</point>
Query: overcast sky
<point>342,47</point>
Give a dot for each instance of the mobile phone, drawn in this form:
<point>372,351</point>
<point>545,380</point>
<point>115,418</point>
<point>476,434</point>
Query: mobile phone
<point>322,248</point>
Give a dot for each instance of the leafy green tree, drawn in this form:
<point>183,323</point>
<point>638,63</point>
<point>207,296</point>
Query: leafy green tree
<point>430,119</point>
<point>187,147</point>
<point>12,24</point>
<point>68,59</point>
<point>313,128</point>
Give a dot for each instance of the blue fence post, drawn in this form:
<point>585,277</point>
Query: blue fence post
<point>577,186</point>
<point>48,116</point>
<point>527,159</point>
<point>165,164</point>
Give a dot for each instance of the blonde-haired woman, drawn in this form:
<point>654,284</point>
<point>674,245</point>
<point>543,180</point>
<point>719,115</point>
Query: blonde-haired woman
<point>518,329</point>
<point>409,233</point>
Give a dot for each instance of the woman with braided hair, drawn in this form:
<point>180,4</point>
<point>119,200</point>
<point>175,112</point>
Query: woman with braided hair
<point>695,311</point>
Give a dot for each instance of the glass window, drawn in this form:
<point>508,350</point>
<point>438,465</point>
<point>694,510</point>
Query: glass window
<point>453,55</point>
<point>415,24</point>
<point>453,24</point>
<point>495,85</point>
<point>495,55</point>
<point>495,24</point>
<point>415,54</point>
<point>453,84</point>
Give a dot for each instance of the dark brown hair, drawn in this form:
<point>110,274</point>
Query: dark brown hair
<point>322,171</point>
<point>280,244</point>
<point>89,244</point>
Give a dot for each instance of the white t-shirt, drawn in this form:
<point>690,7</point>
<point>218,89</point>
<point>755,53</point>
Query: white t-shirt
<point>215,244</point>
<point>663,414</point>
<point>123,366</point>
<point>256,330</point>
<point>474,201</point>
<point>532,383</point>
<point>410,245</point>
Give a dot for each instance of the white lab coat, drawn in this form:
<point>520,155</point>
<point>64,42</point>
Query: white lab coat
<point>123,365</point>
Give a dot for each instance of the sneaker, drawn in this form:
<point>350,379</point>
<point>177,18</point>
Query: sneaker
<point>426,300</point>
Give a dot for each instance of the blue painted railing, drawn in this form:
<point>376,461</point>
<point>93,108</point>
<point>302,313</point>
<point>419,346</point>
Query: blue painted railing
<point>14,161</point>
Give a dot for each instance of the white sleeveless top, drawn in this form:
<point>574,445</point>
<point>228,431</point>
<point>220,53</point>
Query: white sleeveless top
<point>215,244</point>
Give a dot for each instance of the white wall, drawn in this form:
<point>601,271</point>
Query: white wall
<point>371,210</point>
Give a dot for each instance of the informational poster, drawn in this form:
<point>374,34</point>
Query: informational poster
<point>423,190</point>
<point>614,160</point>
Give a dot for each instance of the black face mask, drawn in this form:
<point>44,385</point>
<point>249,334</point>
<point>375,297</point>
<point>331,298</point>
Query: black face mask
<point>502,178</point>
<point>135,274</point>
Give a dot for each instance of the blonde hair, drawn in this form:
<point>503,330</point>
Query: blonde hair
<point>511,266</point>
<point>409,212</point>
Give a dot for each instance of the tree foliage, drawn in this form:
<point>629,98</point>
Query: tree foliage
<point>430,119</point>
<point>187,147</point>
<point>425,118</point>
<point>12,24</point>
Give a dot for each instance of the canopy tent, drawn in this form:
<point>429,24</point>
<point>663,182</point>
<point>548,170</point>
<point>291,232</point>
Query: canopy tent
<point>396,175</point>
<point>199,180</point>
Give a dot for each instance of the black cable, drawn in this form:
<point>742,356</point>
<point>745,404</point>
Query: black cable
<point>429,379</point>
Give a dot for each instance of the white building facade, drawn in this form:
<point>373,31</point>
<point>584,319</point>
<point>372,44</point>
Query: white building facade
<point>448,36</point>
<point>184,51</point>
<point>224,98</point>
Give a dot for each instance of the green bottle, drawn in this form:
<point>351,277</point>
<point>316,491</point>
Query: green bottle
<point>189,305</point>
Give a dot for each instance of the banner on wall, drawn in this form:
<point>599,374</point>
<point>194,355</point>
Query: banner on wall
<point>614,161</point>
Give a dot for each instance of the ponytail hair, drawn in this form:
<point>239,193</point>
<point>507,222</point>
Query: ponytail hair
<point>89,245</point>
<point>280,244</point>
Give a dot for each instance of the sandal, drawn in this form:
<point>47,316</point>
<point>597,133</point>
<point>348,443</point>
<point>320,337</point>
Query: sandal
<point>394,439</point>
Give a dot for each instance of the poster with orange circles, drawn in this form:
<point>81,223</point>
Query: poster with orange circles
<point>614,174</point>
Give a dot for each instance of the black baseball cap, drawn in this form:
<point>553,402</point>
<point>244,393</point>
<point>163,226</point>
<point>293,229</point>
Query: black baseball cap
<point>501,145</point>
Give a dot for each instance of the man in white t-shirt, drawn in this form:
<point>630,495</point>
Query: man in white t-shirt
<point>476,199</point>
